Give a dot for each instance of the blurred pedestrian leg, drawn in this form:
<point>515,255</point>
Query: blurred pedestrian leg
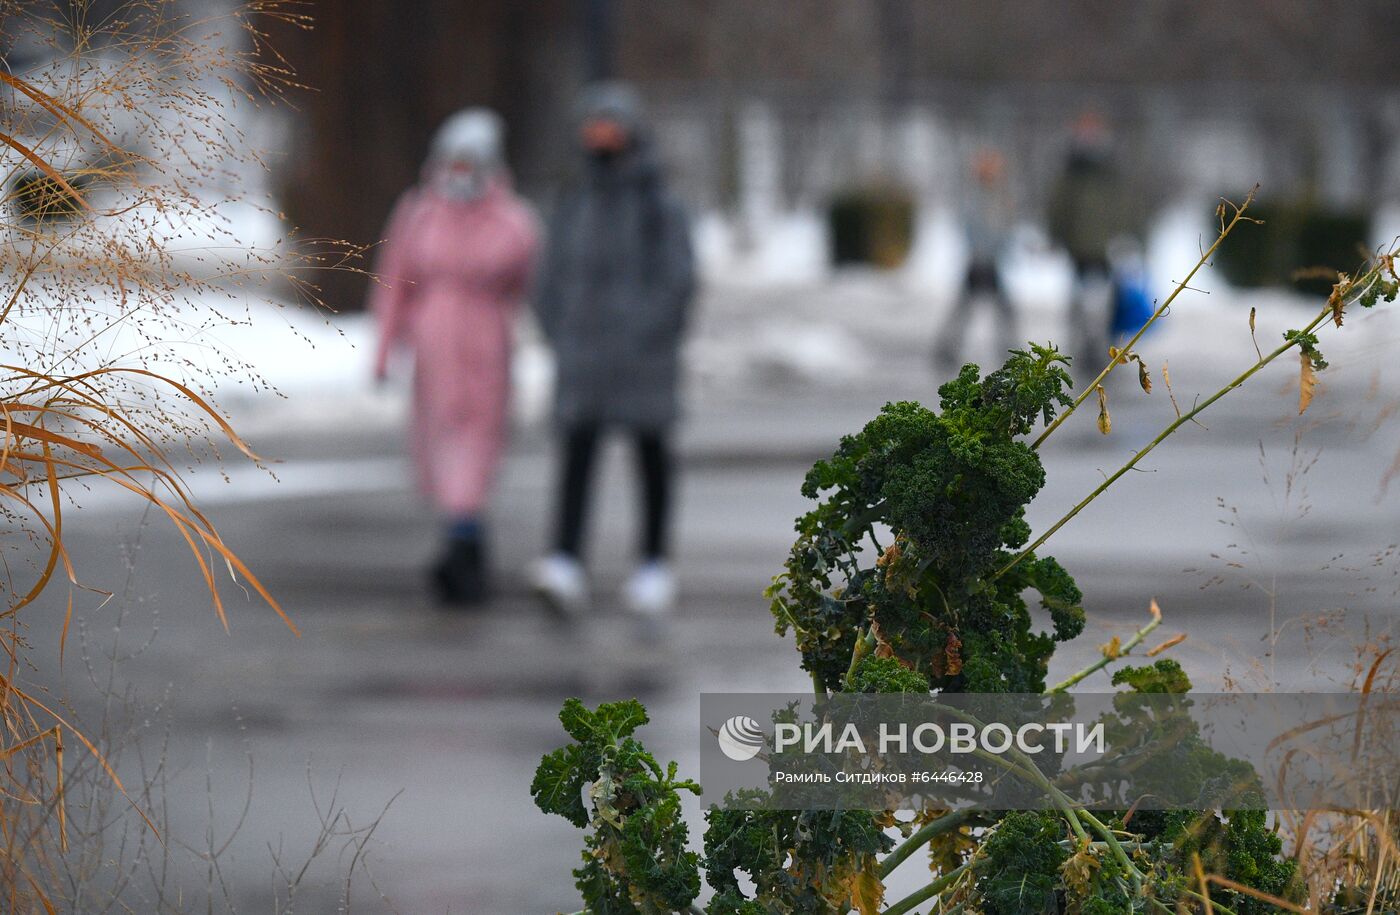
<point>575,487</point>
<point>654,460</point>
<point>652,588</point>
<point>1090,317</point>
<point>983,281</point>
<point>654,473</point>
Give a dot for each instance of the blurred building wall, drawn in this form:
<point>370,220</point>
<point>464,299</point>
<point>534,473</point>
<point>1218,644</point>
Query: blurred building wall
<point>764,108</point>
<point>1300,94</point>
<point>384,75</point>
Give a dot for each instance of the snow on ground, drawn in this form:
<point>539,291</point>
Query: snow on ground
<point>773,315</point>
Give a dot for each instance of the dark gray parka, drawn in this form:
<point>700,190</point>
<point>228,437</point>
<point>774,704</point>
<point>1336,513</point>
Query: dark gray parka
<point>616,282</point>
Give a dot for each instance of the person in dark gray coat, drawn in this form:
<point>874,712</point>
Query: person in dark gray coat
<point>1090,206</point>
<point>616,283</point>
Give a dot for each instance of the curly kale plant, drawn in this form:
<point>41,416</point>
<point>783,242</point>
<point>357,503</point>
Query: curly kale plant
<point>907,577</point>
<point>798,860</point>
<point>951,486</point>
<point>636,860</point>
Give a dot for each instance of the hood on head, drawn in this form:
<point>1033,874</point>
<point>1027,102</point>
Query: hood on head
<point>615,100</point>
<point>620,102</point>
<point>474,135</point>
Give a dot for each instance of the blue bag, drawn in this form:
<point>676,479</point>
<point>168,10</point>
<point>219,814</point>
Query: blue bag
<point>1132,303</point>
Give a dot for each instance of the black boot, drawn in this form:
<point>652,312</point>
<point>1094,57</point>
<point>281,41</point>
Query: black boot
<point>460,578</point>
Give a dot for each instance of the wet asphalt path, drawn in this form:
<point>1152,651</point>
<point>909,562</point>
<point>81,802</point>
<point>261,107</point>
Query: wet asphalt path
<point>445,715</point>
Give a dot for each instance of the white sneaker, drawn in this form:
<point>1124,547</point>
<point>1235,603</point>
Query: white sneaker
<point>651,591</point>
<point>559,579</point>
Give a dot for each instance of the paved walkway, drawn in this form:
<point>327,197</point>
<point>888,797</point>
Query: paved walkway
<point>448,715</point>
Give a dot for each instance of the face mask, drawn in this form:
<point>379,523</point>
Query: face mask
<point>460,184</point>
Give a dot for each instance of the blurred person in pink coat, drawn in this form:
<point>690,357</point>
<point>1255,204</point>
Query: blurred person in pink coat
<point>452,274</point>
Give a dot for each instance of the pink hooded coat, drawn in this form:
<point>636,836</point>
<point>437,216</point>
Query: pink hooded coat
<point>452,273</point>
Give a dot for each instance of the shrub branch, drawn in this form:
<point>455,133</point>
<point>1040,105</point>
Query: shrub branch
<point>1225,230</point>
<point>1357,290</point>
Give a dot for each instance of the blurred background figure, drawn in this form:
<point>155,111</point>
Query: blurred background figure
<point>453,270</point>
<point>1090,207</point>
<point>612,301</point>
<point>988,217</point>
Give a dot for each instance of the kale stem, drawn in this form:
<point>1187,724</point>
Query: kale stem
<point>1161,310</point>
<point>922,837</point>
<point>1020,762</point>
<point>925,893</point>
<point>865,643</point>
<point>865,519</point>
<point>1133,873</point>
<point>1180,421</point>
<point>1214,904</point>
<point>1104,661</point>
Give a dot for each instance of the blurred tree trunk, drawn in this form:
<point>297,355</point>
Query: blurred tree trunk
<point>384,75</point>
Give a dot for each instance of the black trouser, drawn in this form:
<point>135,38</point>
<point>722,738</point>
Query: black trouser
<point>982,279</point>
<point>576,484</point>
<point>1089,321</point>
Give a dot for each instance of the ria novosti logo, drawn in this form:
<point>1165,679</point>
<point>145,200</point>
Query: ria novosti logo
<point>740,738</point>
